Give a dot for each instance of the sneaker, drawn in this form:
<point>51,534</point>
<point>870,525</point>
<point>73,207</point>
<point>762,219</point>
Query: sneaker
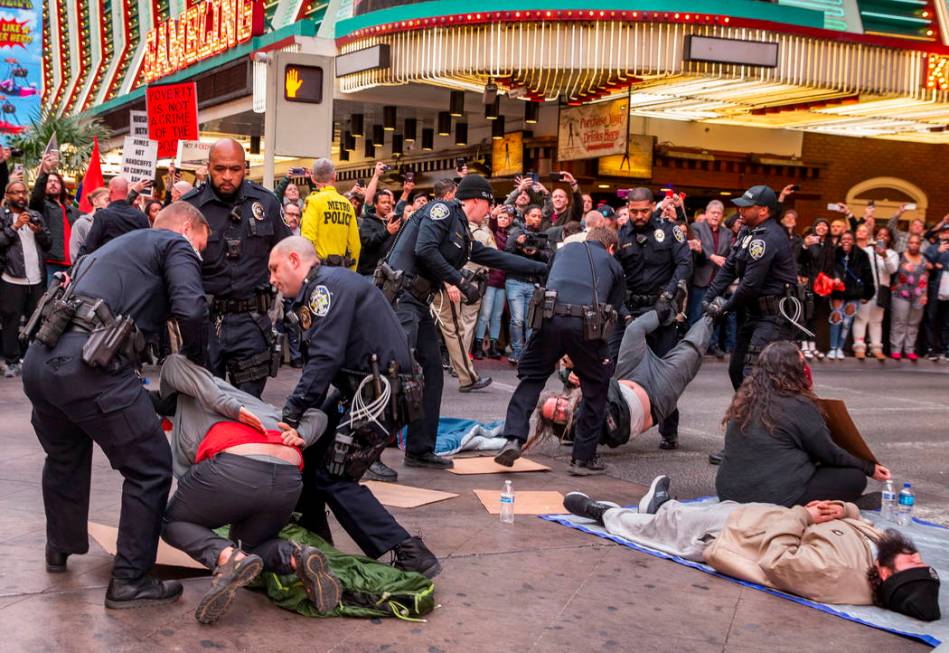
<point>657,495</point>
<point>379,471</point>
<point>512,360</point>
<point>140,592</point>
<point>593,467</point>
<point>477,384</point>
<point>945,356</point>
<point>896,355</point>
<point>510,452</point>
<point>429,460</point>
<point>860,354</point>
<point>933,356</point>
<point>322,587</point>
<point>413,555</point>
<point>818,354</point>
<point>808,352</point>
<point>879,355</point>
<point>13,370</point>
<point>228,578</point>
<point>912,357</point>
<point>581,505</point>
<point>716,458</point>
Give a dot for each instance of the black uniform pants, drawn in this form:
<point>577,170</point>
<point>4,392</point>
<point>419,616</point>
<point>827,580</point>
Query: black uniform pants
<point>661,342</point>
<point>256,498</point>
<point>755,333</point>
<point>356,509</point>
<point>591,363</point>
<point>236,337</point>
<point>16,301</point>
<point>75,405</point>
<point>416,320</point>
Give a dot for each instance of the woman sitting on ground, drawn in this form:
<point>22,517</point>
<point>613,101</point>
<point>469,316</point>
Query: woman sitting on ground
<point>778,448</point>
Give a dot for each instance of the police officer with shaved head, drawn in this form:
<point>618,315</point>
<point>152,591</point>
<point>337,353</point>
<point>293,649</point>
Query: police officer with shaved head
<point>245,224</point>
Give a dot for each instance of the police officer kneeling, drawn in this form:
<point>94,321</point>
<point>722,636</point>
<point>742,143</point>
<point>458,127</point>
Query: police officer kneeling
<point>350,337</point>
<point>80,375</point>
<point>573,316</point>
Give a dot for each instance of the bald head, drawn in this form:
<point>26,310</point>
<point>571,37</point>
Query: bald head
<point>226,162</point>
<point>592,219</point>
<point>290,262</point>
<point>324,172</point>
<point>184,219</point>
<point>118,188</point>
<point>178,189</point>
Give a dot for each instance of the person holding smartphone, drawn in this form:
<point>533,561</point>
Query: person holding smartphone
<point>118,218</point>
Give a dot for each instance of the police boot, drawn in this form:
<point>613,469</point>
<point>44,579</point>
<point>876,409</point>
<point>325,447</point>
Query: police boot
<point>431,460</point>
<point>669,441</point>
<point>140,592</point>
<point>510,452</point>
<point>593,467</point>
<point>55,560</point>
<point>478,352</point>
<point>379,471</point>
<point>493,350</point>
<point>477,384</point>
<point>413,555</point>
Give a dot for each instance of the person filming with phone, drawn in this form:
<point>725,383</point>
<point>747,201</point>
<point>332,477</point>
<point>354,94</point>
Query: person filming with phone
<point>118,218</point>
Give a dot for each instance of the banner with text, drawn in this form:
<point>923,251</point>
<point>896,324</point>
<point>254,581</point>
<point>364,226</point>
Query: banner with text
<point>138,125</point>
<point>21,55</point>
<point>192,154</point>
<point>593,130</point>
<point>139,159</point>
<point>172,115</point>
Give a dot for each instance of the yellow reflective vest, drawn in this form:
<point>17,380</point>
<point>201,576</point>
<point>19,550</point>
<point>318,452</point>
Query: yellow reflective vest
<point>329,222</point>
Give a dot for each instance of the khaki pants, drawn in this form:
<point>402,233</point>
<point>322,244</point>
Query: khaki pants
<point>469,320</point>
<point>452,325</point>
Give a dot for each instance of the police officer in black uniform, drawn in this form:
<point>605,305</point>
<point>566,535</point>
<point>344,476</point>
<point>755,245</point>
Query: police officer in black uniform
<point>429,253</point>
<point>762,258</point>
<point>245,225</point>
<point>84,389</point>
<point>350,337</point>
<point>577,313</point>
<point>656,260</point>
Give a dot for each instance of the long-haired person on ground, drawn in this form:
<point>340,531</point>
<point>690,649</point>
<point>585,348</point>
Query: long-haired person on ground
<point>777,447</point>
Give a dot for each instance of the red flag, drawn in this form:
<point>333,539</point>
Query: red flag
<point>93,178</point>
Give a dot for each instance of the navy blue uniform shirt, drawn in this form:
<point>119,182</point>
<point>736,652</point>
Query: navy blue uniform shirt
<point>343,319</point>
<point>118,218</point>
<point>654,258</point>
<point>763,259</point>
<point>259,229</point>
<point>570,275</point>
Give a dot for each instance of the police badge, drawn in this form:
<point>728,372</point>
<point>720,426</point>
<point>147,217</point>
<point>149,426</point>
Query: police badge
<point>258,210</point>
<point>757,248</point>
<point>439,211</point>
<point>320,301</point>
<point>306,319</point>
<point>659,235</point>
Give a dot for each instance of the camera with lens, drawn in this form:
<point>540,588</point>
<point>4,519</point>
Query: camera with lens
<point>536,240</point>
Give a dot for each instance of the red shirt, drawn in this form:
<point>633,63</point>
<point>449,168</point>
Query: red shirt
<point>225,435</point>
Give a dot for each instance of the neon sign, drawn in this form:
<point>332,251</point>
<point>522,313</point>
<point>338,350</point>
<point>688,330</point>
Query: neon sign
<point>203,30</point>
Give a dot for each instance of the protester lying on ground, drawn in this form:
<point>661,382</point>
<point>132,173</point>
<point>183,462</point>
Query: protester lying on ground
<point>645,387</point>
<point>778,448</point>
<point>822,551</point>
<point>237,464</point>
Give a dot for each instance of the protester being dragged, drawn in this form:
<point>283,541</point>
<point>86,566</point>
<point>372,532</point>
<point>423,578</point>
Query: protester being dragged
<point>50,199</point>
<point>24,242</point>
<point>908,300</point>
<point>778,448</point>
<point>854,287</point>
<point>883,263</point>
<point>823,551</point>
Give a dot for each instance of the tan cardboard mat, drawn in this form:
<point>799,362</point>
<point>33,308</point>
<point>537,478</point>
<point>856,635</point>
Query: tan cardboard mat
<point>108,536</point>
<point>531,502</point>
<point>488,466</point>
<point>405,496</point>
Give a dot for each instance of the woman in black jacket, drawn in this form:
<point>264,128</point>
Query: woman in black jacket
<point>852,269</point>
<point>817,256</point>
<point>778,448</point>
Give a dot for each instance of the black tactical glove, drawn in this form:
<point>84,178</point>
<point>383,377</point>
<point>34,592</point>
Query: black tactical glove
<point>714,309</point>
<point>470,291</point>
<point>290,417</point>
<point>664,309</point>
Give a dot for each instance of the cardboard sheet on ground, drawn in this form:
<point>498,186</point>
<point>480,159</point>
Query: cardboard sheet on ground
<point>531,502</point>
<point>931,539</point>
<point>108,536</point>
<point>843,431</point>
<point>487,465</point>
<point>405,496</point>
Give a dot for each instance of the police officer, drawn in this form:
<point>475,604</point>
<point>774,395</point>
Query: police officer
<point>431,249</point>
<point>345,322</point>
<point>147,275</point>
<point>655,259</point>
<point>583,288</point>
<point>329,221</point>
<point>762,258</point>
<point>245,224</point>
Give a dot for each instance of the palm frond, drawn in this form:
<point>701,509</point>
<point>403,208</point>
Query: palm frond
<point>75,137</point>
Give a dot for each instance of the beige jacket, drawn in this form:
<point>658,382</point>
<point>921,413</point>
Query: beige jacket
<point>484,236</point>
<point>782,548</point>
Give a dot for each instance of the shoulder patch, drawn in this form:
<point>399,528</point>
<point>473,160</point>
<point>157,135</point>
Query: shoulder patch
<point>677,232</point>
<point>321,299</point>
<point>757,248</point>
<point>659,235</point>
<point>258,210</point>
<point>439,211</point>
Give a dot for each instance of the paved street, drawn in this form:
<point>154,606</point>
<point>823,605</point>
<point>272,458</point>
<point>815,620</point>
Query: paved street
<point>533,586</point>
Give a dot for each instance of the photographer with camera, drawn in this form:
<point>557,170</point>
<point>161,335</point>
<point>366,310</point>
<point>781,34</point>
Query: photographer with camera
<point>24,242</point>
<point>117,218</point>
<point>532,243</point>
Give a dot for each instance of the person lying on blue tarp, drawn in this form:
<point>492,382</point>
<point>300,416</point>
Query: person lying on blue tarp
<point>823,551</point>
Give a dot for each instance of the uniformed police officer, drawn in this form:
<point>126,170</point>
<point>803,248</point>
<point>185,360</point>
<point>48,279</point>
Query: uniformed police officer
<point>762,258</point>
<point>147,275</point>
<point>655,259</point>
<point>585,285</point>
<point>329,221</point>
<point>245,224</point>
<point>345,321</point>
<point>431,249</point>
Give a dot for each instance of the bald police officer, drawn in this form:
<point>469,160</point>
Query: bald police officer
<point>83,390</point>
<point>430,251</point>
<point>245,224</point>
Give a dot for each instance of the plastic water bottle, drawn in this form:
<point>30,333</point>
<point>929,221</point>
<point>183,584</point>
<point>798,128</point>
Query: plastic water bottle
<point>907,500</point>
<point>507,504</point>
<point>888,501</point>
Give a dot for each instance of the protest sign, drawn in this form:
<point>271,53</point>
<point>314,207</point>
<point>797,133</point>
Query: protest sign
<point>138,125</point>
<point>192,154</point>
<point>139,158</point>
<point>172,115</point>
